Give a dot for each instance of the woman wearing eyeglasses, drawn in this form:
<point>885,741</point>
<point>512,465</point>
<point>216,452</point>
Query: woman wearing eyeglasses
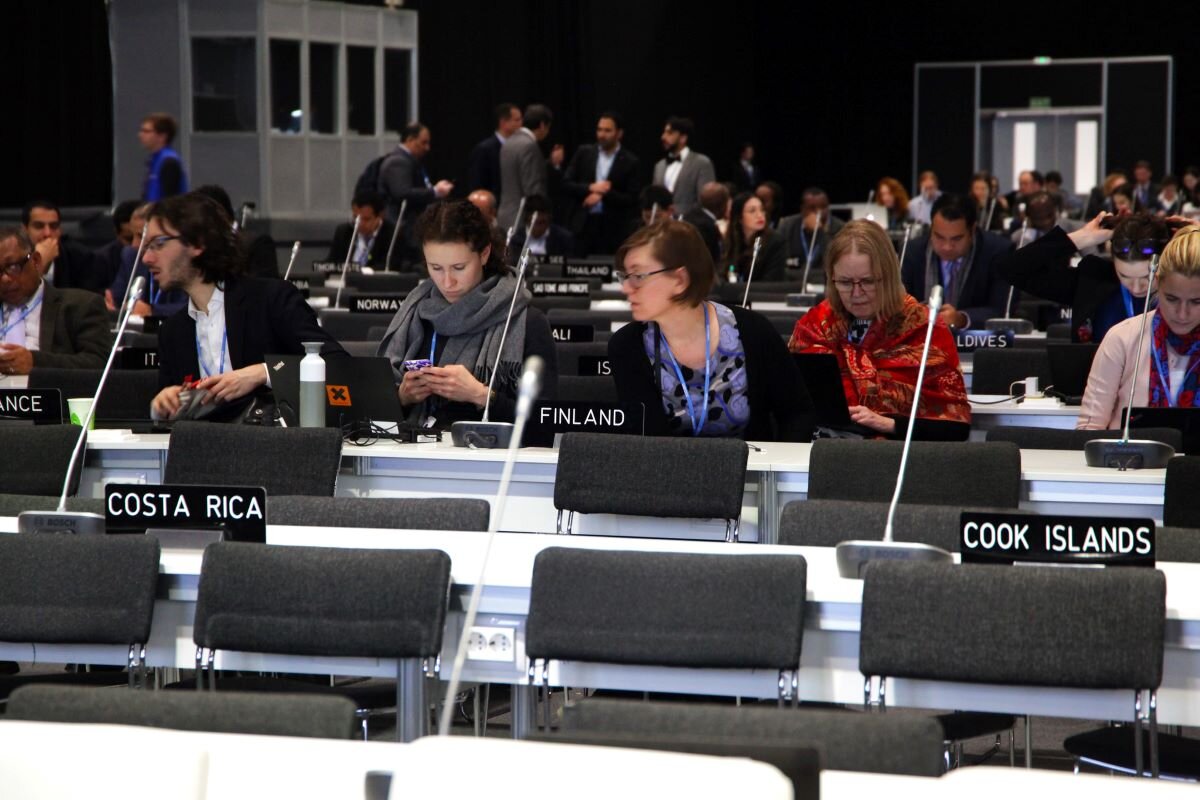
<point>1168,375</point>
<point>1100,292</point>
<point>877,332</point>
<point>698,367</point>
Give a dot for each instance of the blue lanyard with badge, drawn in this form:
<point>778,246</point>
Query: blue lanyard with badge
<point>697,421</point>
<point>9,326</point>
<point>200,355</point>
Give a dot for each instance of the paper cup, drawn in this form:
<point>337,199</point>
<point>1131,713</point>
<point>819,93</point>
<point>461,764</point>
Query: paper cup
<point>79,408</point>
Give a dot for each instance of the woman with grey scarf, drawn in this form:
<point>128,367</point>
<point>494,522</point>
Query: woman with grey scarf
<point>454,321</point>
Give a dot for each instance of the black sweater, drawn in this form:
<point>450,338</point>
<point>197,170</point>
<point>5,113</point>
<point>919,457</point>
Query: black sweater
<point>780,408</point>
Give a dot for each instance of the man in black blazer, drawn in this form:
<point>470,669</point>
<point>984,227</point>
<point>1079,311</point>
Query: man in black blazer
<point>66,264</point>
<point>41,325</point>
<point>603,181</point>
<point>402,177</point>
<point>374,233</point>
<point>483,164</point>
<point>548,239</point>
<point>963,260</point>
<point>220,341</point>
<point>711,216</point>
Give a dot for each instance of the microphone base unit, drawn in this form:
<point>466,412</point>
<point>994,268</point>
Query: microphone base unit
<point>853,556</point>
<point>79,522</point>
<point>481,435</point>
<point>1125,454</point>
<point>1017,326</point>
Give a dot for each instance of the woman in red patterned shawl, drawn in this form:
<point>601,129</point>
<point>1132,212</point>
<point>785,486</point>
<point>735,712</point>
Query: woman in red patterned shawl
<point>877,331</point>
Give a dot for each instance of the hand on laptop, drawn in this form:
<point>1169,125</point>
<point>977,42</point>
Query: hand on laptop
<point>869,419</point>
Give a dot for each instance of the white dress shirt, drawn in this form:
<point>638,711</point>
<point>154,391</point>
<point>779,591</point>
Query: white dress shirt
<point>672,173</point>
<point>27,332</point>
<point>212,340</point>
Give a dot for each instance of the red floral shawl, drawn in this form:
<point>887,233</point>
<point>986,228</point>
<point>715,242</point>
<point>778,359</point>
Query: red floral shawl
<point>881,373</point>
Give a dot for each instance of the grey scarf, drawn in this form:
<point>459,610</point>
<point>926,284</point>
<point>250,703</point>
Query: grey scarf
<point>470,328</point>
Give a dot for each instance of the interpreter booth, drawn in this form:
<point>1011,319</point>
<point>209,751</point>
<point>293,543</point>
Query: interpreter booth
<point>1082,117</point>
<point>282,102</point>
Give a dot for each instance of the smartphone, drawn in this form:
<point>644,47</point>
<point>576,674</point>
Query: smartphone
<point>414,364</point>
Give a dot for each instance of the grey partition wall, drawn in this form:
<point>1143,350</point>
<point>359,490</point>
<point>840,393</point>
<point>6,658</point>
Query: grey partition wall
<point>282,102</point>
<point>1083,117</point>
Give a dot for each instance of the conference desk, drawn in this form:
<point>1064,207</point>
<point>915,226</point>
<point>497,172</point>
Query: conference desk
<point>1052,481</point>
<point>828,666</point>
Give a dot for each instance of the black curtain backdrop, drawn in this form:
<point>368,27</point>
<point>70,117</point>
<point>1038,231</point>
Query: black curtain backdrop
<point>823,90</point>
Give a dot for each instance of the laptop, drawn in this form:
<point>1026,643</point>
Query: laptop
<point>356,389</point>
<point>1184,420</point>
<point>823,378</point>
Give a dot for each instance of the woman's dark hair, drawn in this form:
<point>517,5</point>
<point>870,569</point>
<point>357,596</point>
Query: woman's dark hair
<point>459,221</point>
<point>738,249</point>
<point>675,245</point>
<point>201,222</point>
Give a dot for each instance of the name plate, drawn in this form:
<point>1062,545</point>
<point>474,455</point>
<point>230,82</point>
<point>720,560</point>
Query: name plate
<point>986,538</point>
<point>240,510</point>
<point>560,287</point>
<point>564,417</point>
<point>573,333</point>
<point>39,405</point>
<point>594,365</point>
<point>542,258</point>
<point>376,303</point>
<point>601,271</point>
<point>968,341</point>
<point>334,267</point>
<point>137,358</point>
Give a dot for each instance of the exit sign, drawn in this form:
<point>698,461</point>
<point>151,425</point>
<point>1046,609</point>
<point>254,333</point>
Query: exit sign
<point>1039,102</point>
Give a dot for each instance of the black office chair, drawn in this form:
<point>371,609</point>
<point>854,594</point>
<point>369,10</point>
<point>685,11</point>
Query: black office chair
<point>127,392</point>
<point>383,282</point>
<point>36,458</point>
<point>1181,488</point>
<point>601,473</point>
<point>571,354</point>
<point>1028,438</point>
<point>995,370</point>
<point>325,601</point>
<point>448,514</point>
<point>259,713</point>
<point>587,389</point>
<point>360,349</point>
<point>826,523</point>
<point>1033,626</point>
<point>986,474</point>
<point>342,324</point>
<point>12,505</point>
<point>667,609</point>
<point>284,461</point>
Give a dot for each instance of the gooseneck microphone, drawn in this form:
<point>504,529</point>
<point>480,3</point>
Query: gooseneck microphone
<point>337,301</point>
<point>484,434</point>
<point>908,229</point>
<point>292,259</point>
<point>750,274</point>
<point>512,229</point>
<point>387,261</point>
<point>1126,453</point>
<point>61,520</point>
<point>527,392</point>
<point>987,220</point>
<point>853,555</point>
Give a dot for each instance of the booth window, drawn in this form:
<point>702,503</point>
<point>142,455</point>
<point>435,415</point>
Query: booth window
<point>397,85</point>
<point>223,81</point>
<point>360,90</point>
<point>322,87</point>
<point>286,115</point>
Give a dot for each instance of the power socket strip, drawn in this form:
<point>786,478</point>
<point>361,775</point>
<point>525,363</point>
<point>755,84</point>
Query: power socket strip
<point>492,644</point>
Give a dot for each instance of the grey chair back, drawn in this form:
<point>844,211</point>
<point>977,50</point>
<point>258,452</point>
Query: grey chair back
<point>36,458</point>
<point>898,744</point>
<point>365,349</point>
<point>1180,508</point>
<point>651,476</point>
<point>438,513</point>
<point>570,353</point>
<point>1177,544</point>
<point>342,324</point>
<point>570,303</point>
<point>127,392</point>
<point>77,589</point>
<point>12,505</point>
<point>1032,626</point>
<point>667,609</point>
<point>995,369</point>
<point>260,713</point>
<point>586,389</point>
<point>826,523</point>
<point>939,473</point>
<point>383,282</point>
<point>284,461</point>
<point>1061,439</point>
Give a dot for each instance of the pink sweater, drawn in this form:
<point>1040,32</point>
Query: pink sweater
<point>1107,391</point>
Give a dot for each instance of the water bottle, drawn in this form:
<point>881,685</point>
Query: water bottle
<point>732,274</point>
<point>312,386</point>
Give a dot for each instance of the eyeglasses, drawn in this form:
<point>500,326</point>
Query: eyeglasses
<point>638,278</point>
<point>159,242</point>
<point>14,269</point>
<point>847,285</point>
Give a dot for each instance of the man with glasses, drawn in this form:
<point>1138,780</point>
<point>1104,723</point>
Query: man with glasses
<point>41,325</point>
<point>66,264</point>
<point>219,342</point>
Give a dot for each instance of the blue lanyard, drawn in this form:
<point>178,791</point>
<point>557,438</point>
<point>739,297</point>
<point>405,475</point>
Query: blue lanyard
<point>1127,296</point>
<point>18,320</point>
<point>155,293</point>
<point>1164,375</point>
<point>432,347</point>
<point>200,357</point>
<point>697,422</point>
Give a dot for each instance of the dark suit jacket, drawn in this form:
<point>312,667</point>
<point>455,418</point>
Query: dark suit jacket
<point>401,177</point>
<point>74,330</point>
<point>742,179</point>
<point>483,166</point>
<point>79,268</point>
<point>259,254</point>
<point>985,293</point>
<point>261,316</point>
<point>699,219</point>
<point>379,248</point>
<point>621,200</point>
<point>559,242</point>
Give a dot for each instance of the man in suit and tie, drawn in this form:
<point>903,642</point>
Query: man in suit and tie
<point>746,176</point>
<point>374,233</point>
<point>1145,191</point>
<point>483,164</point>
<point>602,180</point>
<point>683,171</point>
<point>546,238</point>
<point>402,177</point>
<point>40,324</point>
<point>523,170</point>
